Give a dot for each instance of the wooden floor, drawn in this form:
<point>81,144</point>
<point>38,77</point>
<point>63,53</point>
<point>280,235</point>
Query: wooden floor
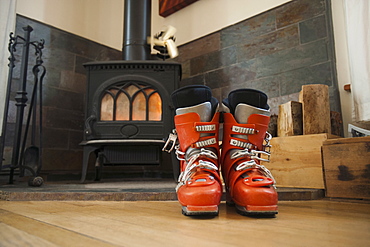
<point>114,223</point>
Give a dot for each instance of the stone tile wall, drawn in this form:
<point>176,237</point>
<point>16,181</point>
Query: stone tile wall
<point>64,90</point>
<point>277,52</point>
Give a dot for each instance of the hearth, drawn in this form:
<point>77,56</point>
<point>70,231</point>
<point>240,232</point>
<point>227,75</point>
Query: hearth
<point>128,109</point>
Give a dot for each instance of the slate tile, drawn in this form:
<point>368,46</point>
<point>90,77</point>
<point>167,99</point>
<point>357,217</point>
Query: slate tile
<point>194,80</point>
<point>312,29</point>
<point>52,77</point>
<point>198,65</point>
<point>98,52</point>
<point>228,56</point>
<point>230,75</point>
<point>290,59</point>
<point>7,155</point>
<point>268,85</point>
<point>9,134</point>
<point>75,138</point>
<point>213,60</point>
<point>68,42</point>
<point>63,119</point>
<point>334,99</point>
<point>72,81</point>
<point>63,99</point>
<point>79,68</point>
<point>83,47</point>
<point>216,92</point>
<point>61,160</point>
<point>245,30</point>
<point>296,11</point>
<point>199,47</point>
<point>269,43</point>
<point>276,101</point>
<point>55,138</point>
<point>292,81</point>
<point>185,69</point>
<point>58,59</point>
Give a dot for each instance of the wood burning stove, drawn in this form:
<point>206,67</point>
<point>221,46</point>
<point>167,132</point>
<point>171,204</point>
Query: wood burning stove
<point>128,110</point>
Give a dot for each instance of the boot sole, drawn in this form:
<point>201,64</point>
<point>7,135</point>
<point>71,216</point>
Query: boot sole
<point>257,211</point>
<point>200,210</point>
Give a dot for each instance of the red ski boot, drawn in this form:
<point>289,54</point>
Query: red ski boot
<point>245,143</point>
<point>199,187</point>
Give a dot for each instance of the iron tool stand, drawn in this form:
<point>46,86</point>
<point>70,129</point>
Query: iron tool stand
<point>25,159</point>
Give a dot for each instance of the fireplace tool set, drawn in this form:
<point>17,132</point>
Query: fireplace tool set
<point>25,158</point>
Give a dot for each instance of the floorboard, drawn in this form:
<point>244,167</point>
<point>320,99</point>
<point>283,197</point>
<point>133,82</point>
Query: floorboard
<point>160,223</point>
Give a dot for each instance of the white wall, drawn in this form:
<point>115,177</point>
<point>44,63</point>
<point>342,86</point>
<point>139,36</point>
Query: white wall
<point>97,20</point>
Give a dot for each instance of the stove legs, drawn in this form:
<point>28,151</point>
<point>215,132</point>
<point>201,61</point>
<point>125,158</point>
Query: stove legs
<point>86,155</point>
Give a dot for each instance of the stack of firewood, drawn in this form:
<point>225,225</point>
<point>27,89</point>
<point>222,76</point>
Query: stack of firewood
<point>311,115</point>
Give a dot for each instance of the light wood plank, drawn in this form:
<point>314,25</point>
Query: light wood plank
<point>296,161</point>
<point>314,223</point>
<point>11,237</point>
<point>43,232</point>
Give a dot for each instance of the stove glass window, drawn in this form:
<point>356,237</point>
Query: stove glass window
<point>131,101</point>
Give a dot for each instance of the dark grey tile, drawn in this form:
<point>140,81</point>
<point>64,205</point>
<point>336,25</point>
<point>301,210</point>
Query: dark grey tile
<point>63,99</point>
<point>61,160</point>
<point>199,47</point>
<point>213,60</point>
<point>245,30</point>
<point>73,82</point>
<point>58,59</point>
<point>52,77</point>
<point>234,74</point>
<point>228,56</point>
<point>194,80</point>
<point>291,59</point>
<point>63,119</point>
<point>269,43</point>
<point>313,29</point>
<point>79,64</point>
<point>75,138</point>
<point>296,11</point>
<point>55,138</point>
<point>292,81</point>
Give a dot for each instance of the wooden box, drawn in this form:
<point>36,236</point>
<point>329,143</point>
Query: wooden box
<point>296,161</point>
<point>347,167</point>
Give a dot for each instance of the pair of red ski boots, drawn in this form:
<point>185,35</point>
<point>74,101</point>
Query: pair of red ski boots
<point>245,143</point>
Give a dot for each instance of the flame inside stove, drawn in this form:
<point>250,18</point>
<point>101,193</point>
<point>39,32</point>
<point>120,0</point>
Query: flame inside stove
<point>131,102</point>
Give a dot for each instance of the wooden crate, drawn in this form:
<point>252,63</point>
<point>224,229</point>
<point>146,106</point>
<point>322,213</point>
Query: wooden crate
<point>347,167</point>
<point>296,161</point>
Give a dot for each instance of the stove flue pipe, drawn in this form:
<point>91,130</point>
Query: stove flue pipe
<point>137,29</point>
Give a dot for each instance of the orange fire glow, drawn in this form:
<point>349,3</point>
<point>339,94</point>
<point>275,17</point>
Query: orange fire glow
<point>141,98</point>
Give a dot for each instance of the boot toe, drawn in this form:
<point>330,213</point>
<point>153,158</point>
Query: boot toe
<point>254,198</point>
